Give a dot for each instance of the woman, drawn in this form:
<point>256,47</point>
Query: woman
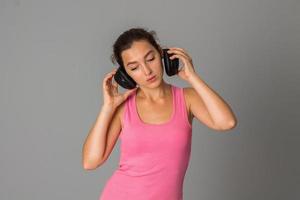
<point>153,121</point>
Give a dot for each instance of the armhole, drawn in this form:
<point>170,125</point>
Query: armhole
<point>186,108</point>
<point>122,113</point>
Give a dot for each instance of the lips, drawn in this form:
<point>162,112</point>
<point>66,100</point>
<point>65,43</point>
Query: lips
<point>150,78</point>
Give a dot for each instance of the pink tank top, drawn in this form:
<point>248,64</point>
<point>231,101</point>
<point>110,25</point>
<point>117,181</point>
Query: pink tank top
<point>154,157</point>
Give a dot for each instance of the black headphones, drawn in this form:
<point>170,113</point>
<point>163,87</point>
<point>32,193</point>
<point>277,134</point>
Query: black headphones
<point>124,80</point>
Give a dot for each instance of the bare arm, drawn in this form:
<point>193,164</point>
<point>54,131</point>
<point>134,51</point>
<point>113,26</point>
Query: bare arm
<point>209,107</point>
<point>95,143</point>
<point>103,135</point>
<point>206,105</point>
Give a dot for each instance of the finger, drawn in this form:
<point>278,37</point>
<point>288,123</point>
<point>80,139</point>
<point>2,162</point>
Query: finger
<point>109,76</point>
<point>111,73</point>
<point>107,79</point>
<point>115,84</point>
<point>180,56</point>
<point>181,68</point>
<point>176,51</point>
<point>180,51</point>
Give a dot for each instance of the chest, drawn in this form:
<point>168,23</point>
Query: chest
<point>155,113</point>
<point>158,113</point>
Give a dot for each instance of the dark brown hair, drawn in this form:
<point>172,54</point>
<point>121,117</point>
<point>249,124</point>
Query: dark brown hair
<point>125,40</point>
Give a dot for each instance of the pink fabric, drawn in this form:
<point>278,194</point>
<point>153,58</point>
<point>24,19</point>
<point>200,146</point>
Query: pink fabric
<point>154,157</point>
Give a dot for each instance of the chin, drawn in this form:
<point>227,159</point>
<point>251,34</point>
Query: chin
<point>155,84</point>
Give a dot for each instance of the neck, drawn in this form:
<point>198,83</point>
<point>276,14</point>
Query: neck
<point>154,94</point>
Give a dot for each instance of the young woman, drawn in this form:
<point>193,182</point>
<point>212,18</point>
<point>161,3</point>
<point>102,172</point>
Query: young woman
<point>153,121</point>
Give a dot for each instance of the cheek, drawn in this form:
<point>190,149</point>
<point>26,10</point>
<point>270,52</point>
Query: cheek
<point>137,75</point>
<point>158,65</point>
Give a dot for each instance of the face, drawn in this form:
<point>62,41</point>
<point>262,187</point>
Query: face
<point>142,61</point>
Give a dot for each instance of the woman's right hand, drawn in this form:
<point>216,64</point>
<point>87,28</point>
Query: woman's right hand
<point>112,98</point>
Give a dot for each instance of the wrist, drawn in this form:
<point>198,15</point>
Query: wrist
<point>107,108</point>
<point>194,78</point>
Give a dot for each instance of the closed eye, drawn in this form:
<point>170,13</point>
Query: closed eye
<point>151,59</point>
<point>148,60</point>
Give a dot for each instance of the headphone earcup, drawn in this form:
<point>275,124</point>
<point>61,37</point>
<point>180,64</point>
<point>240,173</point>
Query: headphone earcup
<point>171,66</point>
<point>123,79</point>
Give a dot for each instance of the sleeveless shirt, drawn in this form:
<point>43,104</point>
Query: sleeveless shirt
<point>154,157</point>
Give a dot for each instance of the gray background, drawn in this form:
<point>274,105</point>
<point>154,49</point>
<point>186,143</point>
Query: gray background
<point>53,58</point>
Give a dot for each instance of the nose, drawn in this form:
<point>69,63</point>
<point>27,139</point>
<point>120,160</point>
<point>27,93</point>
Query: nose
<point>146,69</point>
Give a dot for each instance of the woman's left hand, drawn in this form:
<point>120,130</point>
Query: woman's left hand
<point>187,70</point>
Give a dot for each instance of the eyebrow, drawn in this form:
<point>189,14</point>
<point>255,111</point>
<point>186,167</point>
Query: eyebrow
<point>144,57</point>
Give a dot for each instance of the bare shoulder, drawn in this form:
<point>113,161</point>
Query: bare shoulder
<point>197,107</point>
<point>189,93</point>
